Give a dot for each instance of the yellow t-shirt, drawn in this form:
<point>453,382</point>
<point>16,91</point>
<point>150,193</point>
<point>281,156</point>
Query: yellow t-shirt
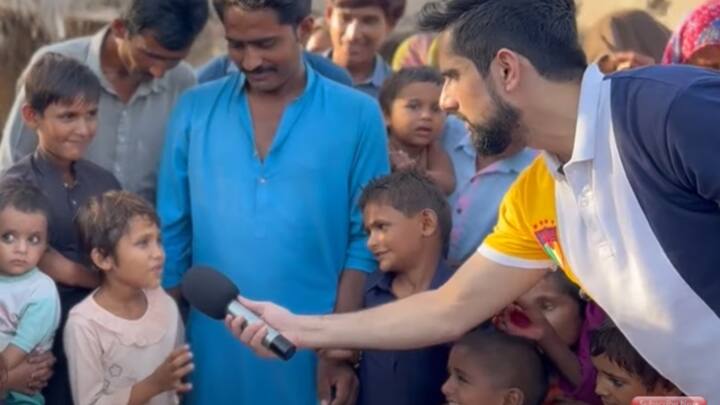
<point>526,233</point>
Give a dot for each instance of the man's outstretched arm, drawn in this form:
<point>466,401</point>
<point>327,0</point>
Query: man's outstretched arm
<point>479,289</point>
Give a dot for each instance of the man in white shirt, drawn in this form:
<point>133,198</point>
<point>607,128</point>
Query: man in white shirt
<point>630,191</point>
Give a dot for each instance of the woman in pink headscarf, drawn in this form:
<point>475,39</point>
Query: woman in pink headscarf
<point>697,41</point>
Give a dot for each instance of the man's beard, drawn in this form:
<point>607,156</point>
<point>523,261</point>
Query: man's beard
<point>498,133</point>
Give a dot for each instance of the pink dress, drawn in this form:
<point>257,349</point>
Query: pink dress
<point>107,354</point>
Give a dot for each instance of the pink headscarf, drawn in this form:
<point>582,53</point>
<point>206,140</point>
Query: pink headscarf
<point>700,29</point>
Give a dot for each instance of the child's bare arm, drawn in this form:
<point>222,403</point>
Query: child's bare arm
<point>30,376</point>
<point>565,360</point>
<point>13,356</point>
<point>66,271</point>
<point>440,168</point>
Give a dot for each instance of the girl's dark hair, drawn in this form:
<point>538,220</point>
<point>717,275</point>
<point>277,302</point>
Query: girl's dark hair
<point>401,79</point>
<point>55,78</point>
<point>567,287</point>
<point>105,219</point>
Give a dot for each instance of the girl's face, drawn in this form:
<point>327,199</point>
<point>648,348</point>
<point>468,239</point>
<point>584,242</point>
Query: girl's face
<point>415,117</point>
<point>561,310</point>
<point>139,256</point>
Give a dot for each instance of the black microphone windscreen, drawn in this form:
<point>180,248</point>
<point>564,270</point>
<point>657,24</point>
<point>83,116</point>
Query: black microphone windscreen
<point>208,290</point>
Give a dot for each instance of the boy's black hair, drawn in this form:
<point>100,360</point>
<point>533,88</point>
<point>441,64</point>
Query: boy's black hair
<point>409,192</point>
<point>509,361</point>
<point>173,23</point>
<point>401,79</point>
<point>23,196</point>
<point>289,12</point>
<point>543,31</point>
<point>57,79</point>
<point>105,219</point>
<point>393,9</point>
<point>607,340</point>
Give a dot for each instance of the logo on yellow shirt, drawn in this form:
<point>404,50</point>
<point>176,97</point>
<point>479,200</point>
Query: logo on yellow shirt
<point>546,234</point>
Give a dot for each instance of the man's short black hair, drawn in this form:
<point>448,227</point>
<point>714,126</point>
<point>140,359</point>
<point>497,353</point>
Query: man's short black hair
<point>543,31</point>
<point>173,23</point>
<point>607,340</point>
<point>57,79</point>
<point>289,12</point>
<point>23,196</point>
<point>393,9</point>
<point>409,192</point>
<point>401,79</point>
<point>509,361</point>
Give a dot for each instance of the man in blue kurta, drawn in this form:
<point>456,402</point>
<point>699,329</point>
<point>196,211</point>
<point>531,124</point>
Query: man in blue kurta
<point>259,179</point>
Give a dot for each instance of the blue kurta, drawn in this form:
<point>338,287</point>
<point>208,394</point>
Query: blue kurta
<point>282,229</point>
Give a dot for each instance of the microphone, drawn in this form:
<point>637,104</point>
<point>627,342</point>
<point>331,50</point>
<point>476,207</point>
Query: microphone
<point>213,294</point>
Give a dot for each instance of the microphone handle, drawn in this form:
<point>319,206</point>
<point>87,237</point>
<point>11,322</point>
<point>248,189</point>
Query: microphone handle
<point>274,341</point>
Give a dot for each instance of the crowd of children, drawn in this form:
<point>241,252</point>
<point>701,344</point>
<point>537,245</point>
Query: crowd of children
<point>62,106</point>
<point>118,338</point>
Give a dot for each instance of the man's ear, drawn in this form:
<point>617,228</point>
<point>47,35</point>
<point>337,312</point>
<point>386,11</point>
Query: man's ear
<point>101,260</point>
<point>118,28</point>
<point>30,116</point>
<point>430,222</point>
<point>305,29</point>
<point>514,396</point>
<point>507,69</point>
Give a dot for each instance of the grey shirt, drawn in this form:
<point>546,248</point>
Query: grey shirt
<point>129,137</point>
<point>371,85</point>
